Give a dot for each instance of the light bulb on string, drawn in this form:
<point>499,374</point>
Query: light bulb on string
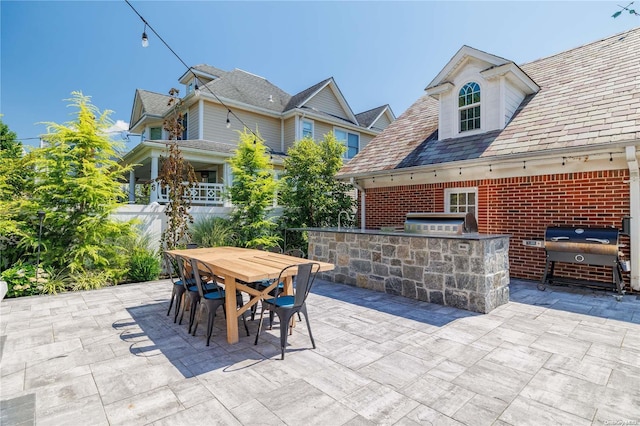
<point>145,39</point>
<point>228,121</point>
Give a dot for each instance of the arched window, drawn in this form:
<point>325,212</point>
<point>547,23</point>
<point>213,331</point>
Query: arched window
<point>469,107</point>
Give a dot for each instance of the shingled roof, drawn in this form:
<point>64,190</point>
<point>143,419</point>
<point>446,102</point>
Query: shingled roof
<point>154,103</point>
<point>366,118</point>
<point>588,95</point>
<point>250,89</point>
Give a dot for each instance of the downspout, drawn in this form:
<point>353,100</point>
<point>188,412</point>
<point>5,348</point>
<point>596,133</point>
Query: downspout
<point>634,198</point>
<point>362,203</point>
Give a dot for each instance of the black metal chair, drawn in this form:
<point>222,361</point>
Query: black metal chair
<point>296,252</point>
<point>211,300</point>
<point>178,290</point>
<point>287,306</point>
<point>188,277</point>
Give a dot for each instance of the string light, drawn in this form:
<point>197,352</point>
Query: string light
<point>145,39</point>
<point>619,12</point>
<point>391,178</point>
<point>411,176</point>
<point>435,174</point>
<point>524,164</point>
<point>610,157</point>
<point>189,69</point>
<point>490,168</point>
<point>460,172</point>
<point>373,180</point>
<point>196,88</point>
<point>229,123</point>
<point>563,160</point>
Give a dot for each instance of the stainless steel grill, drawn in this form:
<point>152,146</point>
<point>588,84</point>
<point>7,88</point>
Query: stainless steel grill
<point>440,223</point>
<point>586,246</point>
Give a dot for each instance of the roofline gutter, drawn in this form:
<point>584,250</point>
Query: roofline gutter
<point>496,160</point>
<point>634,207</point>
<point>309,113</point>
<point>363,195</point>
<point>241,105</point>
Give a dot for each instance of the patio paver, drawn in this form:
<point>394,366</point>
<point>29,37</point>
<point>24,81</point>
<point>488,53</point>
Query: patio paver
<point>113,356</point>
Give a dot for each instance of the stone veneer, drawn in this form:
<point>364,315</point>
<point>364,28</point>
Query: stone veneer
<point>467,272</point>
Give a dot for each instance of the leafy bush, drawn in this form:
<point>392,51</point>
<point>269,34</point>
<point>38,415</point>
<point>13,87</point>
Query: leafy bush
<point>89,279</point>
<point>21,281</point>
<point>144,265</point>
<point>213,232</point>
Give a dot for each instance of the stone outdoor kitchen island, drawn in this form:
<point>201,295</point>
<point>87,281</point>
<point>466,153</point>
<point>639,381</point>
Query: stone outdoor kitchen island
<point>469,271</point>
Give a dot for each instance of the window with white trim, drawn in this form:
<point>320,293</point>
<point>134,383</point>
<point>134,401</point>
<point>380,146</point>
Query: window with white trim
<point>350,140</point>
<point>155,133</point>
<point>307,129</point>
<point>469,107</point>
<point>461,200</point>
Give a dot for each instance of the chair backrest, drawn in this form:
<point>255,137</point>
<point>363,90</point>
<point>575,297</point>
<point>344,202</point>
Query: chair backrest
<point>192,246</point>
<point>275,249</point>
<point>295,252</point>
<point>200,270</point>
<point>186,275</point>
<point>171,266</point>
<point>304,280</point>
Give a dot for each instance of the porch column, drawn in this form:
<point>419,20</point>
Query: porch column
<point>227,177</point>
<point>154,176</point>
<point>132,187</point>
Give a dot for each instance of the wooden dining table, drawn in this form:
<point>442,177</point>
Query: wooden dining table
<point>239,266</point>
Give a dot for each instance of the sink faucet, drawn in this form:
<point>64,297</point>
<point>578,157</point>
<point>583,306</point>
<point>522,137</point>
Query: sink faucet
<point>340,214</point>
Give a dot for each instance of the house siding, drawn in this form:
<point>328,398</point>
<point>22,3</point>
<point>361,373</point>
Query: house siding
<point>325,101</point>
<point>364,140</point>
<point>289,133</point>
<point>192,122</point>
<point>521,207</point>
<point>381,123</point>
<point>321,129</point>
<point>512,100</point>
<point>215,120</point>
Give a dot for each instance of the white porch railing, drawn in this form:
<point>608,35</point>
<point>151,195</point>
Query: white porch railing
<point>204,194</point>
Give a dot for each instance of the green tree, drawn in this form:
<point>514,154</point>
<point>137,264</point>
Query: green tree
<point>252,193</point>
<point>14,176</point>
<point>78,187</point>
<point>311,195</point>
<point>172,176</point>
<point>17,216</point>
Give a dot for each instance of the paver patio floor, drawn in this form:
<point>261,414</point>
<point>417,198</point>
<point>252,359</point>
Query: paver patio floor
<point>112,356</point>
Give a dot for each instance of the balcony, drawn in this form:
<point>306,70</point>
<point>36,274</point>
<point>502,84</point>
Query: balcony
<point>202,194</point>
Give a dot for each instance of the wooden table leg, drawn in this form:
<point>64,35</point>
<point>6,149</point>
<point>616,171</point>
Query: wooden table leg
<point>232,309</point>
<point>288,286</point>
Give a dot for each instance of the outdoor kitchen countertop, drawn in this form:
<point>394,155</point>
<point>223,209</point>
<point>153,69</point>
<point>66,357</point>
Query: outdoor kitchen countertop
<point>467,236</point>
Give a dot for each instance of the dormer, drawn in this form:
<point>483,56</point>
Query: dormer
<point>477,93</point>
<point>199,75</point>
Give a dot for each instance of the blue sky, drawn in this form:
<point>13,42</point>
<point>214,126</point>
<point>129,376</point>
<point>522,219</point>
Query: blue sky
<point>379,53</point>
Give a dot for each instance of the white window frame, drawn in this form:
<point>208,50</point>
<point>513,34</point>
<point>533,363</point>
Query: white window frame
<point>468,107</point>
<point>156,127</point>
<point>346,142</point>
<point>466,190</point>
<point>313,127</point>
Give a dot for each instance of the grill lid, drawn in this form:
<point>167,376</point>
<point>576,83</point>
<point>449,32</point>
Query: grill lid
<point>582,240</point>
<point>442,223</point>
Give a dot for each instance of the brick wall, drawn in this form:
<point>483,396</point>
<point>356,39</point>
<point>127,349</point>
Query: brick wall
<point>522,207</point>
